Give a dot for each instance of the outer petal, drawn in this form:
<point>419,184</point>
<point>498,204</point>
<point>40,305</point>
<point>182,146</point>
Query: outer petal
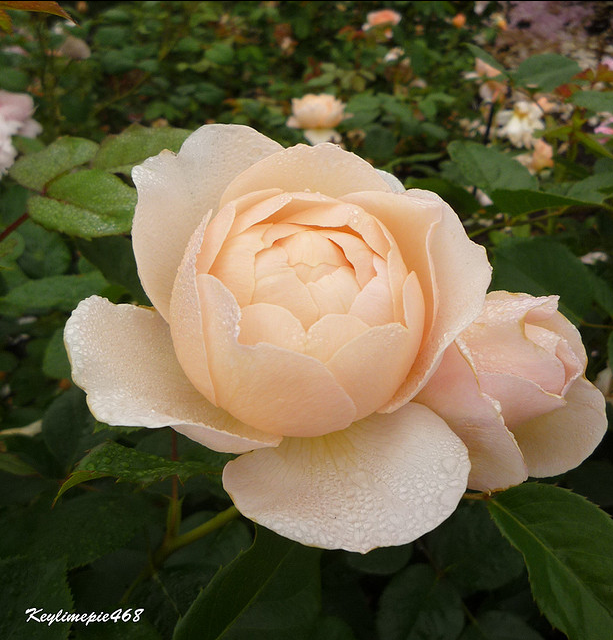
<point>454,394</point>
<point>122,356</point>
<point>176,191</point>
<point>386,480</point>
<point>461,271</point>
<point>325,168</point>
<point>564,438</point>
<point>268,387</point>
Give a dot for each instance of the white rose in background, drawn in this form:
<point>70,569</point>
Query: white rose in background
<point>302,299</point>
<point>513,387</point>
<point>16,110</point>
<point>317,115</point>
<point>520,123</point>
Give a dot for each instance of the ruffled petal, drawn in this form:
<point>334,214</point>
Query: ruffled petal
<point>561,440</point>
<point>454,394</point>
<point>176,191</point>
<point>386,480</point>
<point>325,168</point>
<point>270,388</point>
<point>122,357</point>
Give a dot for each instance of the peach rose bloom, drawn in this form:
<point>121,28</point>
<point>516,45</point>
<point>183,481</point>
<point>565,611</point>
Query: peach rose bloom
<point>317,115</point>
<point>302,299</point>
<point>541,157</point>
<point>382,17</point>
<point>513,387</point>
<point>490,90</point>
<point>458,21</point>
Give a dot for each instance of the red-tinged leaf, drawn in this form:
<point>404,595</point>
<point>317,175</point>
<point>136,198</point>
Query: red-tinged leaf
<point>41,7</point>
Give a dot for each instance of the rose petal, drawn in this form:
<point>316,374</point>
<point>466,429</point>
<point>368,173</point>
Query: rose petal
<point>456,291</point>
<point>563,439</point>
<point>122,357</point>
<point>176,191</point>
<point>386,480</point>
<point>325,168</point>
<point>374,304</point>
<point>371,367</point>
<point>330,333</point>
<point>272,389</point>
<point>392,181</point>
<point>272,324</point>
<point>454,394</point>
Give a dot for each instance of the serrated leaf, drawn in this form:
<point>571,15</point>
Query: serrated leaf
<point>30,584</point>
<point>416,604</point>
<point>36,170</point>
<point>40,6</point>
<point>490,169</point>
<point>541,267</point>
<point>130,465</point>
<point>546,71</point>
<point>10,249</point>
<point>470,551</point>
<point>118,154</point>
<point>589,141</point>
<point>56,292</point>
<point>272,590</point>
<point>594,100</point>
<point>46,253</point>
<point>567,544</point>
<point>87,204</point>
<point>520,201</point>
<point>115,259</point>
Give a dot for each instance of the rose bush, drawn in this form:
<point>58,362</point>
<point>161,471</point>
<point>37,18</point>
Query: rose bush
<point>513,387</point>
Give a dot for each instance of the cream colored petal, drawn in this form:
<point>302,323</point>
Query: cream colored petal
<point>563,439</point>
<point>372,366</point>
<point>122,357</point>
<point>384,481</point>
<point>454,394</point>
<point>325,168</point>
<point>186,319</point>
<point>176,191</point>
<point>317,136</point>
<point>374,304</point>
<point>392,181</point>
<point>520,399</point>
<point>270,388</point>
<point>330,333</point>
<point>357,253</point>
<point>414,305</point>
<point>334,292</point>
<point>272,324</point>
<point>461,271</point>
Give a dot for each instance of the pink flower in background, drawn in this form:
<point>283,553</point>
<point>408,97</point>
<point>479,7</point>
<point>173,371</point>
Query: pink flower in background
<point>541,157</point>
<point>317,115</point>
<point>605,129</point>
<point>382,17</point>
<point>608,62</point>
<point>513,388</point>
<point>16,110</point>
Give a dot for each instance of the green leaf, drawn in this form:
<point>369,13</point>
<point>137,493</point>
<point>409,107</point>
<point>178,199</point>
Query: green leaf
<point>55,361</point>
<point>590,141</point>
<point>594,100</point>
<point>130,465</point>
<point>567,544</point>
<point>331,628</point>
<point>499,625</point>
<point>270,591</point>
<point>68,428</point>
<point>470,551</point>
<point>81,529</point>
<point>485,56</point>
<point>88,203</point>
<point>490,169</point>
<point>38,169</point>
<point>46,253</point>
<point>461,200</point>
<point>118,154</point>
<point>594,189</point>
<point>115,259</point>
<point>10,249</point>
<point>540,266</point>
<point>56,292</point>
<point>12,464</point>
<point>546,71</point>
<point>41,586</point>
<point>416,604</point>
<point>521,201</point>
